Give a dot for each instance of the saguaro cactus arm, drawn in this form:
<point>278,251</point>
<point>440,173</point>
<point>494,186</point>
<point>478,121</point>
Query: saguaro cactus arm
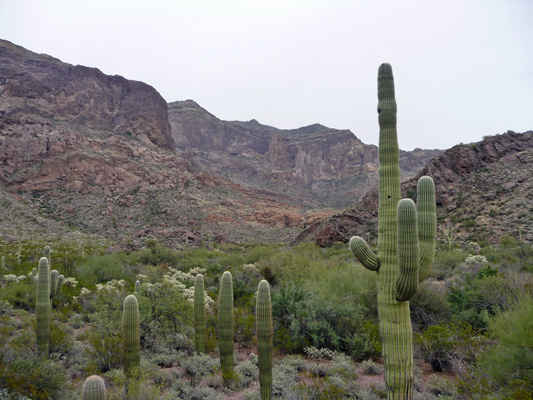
<point>53,282</point>
<point>60,282</point>
<point>427,224</point>
<point>364,253</point>
<point>407,279</point>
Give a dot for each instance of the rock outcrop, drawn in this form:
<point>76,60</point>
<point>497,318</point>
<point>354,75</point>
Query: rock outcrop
<point>36,84</point>
<point>483,190</point>
<point>315,165</point>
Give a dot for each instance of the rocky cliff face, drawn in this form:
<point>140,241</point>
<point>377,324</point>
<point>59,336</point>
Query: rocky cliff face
<point>315,165</point>
<point>35,84</point>
<point>84,152</point>
<point>483,190</point>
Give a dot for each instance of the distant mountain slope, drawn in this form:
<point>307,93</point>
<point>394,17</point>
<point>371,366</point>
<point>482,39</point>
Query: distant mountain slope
<point>102,155</point>
<point>315,166</point>
<point>484,190</point>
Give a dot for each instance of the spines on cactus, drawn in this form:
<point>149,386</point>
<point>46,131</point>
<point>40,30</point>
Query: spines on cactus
<point>406,247</point>
<point>131,345</point>
<point>93,389</point>
<point>264,339</point>
<point>200,329</point>
<point>225,326</point>
<point>42,308</point>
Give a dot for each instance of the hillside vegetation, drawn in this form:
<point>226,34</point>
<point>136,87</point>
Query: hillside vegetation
<point>472,322</point>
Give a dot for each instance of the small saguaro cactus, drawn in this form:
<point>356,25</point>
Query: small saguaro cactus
<point>131,344</point>
<point>225,326</point>
<point>93,389</point>
<point>264,339</point>
<point>42,308</point>
<point>200,329</point>
<point>3,263</point>
<point>138,287</point>
<point>406,247</point>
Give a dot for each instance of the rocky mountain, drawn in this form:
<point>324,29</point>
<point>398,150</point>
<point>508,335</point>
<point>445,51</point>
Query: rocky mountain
<point>484,190</point>
<point>84,153</point>
<point>315,166</point>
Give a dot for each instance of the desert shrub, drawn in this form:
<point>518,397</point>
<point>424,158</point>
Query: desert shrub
<point>199,366</point>
<point>184,391</point>
<point>60,340</point>
<point>448,347</point>
<point>157,254</point>
<point>283,379</point>
<point>106,349</point>
<point>446,260</point>
<point>430,305</point>
<point>369,367</point>
<point>343,367</point>
<point>76,321</point>
<point>35,378</point>
<point>441,387</point>
<point>302,320</point>
<point>512,356</point>
<point>246,372</point>
<point>103,268</point>
<point>20,295</point>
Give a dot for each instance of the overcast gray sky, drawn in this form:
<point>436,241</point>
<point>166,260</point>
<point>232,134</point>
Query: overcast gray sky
<point>463,68</point>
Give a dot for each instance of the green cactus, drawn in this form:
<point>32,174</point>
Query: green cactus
<point>46,253</point>
<point>93,389</point>
<point>406,247</point>
<point>131,345</point>
<point>225,326</point>
<point>59,285</point>
<point>3,264</point>
<point>200,334</point>
<point>42,308</point>
<point>138,287</point>
<point>264,339</point>
<point>53,283</point>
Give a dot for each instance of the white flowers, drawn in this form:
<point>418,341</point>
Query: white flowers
<point>11,278</point>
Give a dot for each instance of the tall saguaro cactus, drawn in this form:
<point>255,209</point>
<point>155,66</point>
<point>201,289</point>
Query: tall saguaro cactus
<point>225,326</point>
<point>42,308</point>
<point>264,339</point>
<point>406,247</point>
<point>131,344</point>
<point>93,389</point>
<point>200,334</point>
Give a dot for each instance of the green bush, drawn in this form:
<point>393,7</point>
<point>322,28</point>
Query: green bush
<point>199,366</point>
<point>35,378</point>
<point>512,357</point>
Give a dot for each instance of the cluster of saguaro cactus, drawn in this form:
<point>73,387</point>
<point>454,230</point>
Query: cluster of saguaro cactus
<point>131,344</point>
<point>225,326</point>
<point>264,339</point>
<point>200,330</point>
<point>406,247</point>
<point>42,308</point>
<point>93,389</point>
